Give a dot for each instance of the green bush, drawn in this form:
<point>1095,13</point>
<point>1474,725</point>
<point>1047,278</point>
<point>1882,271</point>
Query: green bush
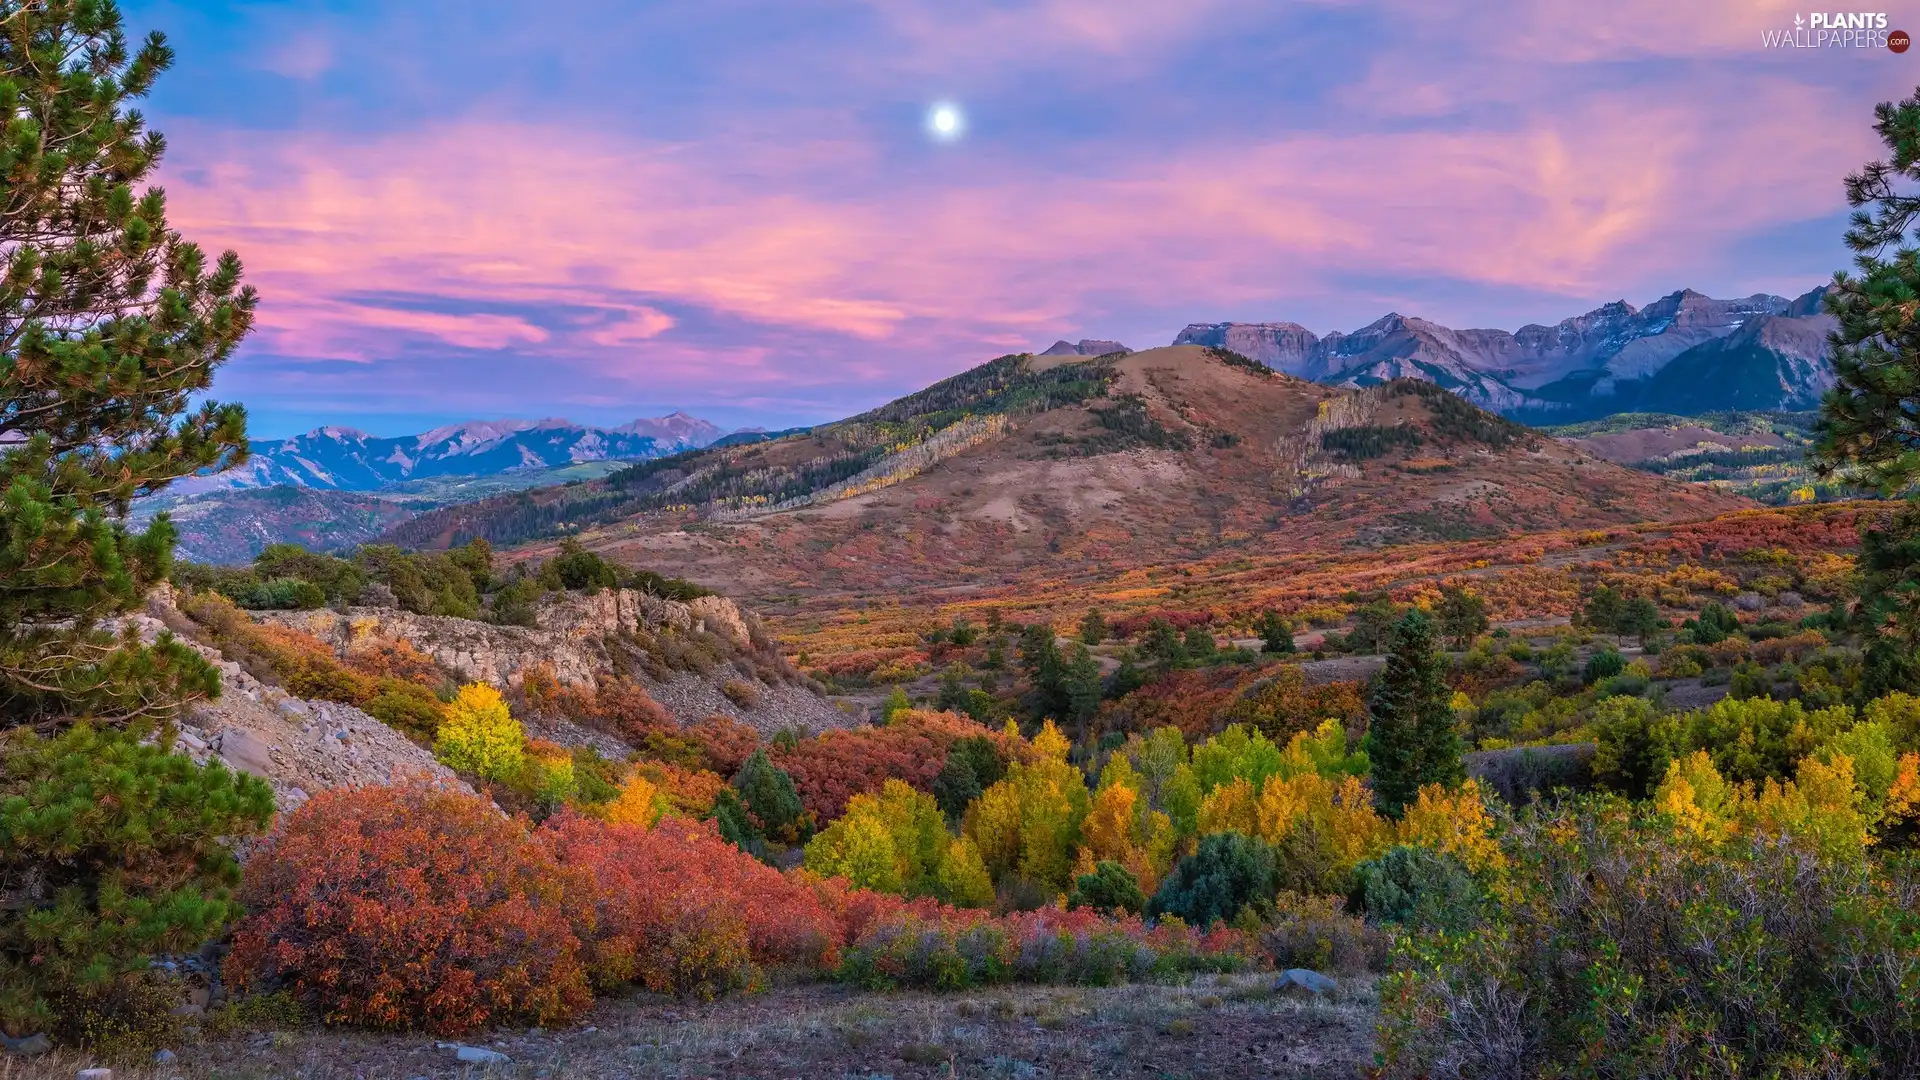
<point>1419,888</point>
<point>1603,664</point>
<point>1226,872</point>
<point>1110,889</point>
<point>973,764</point>
<point>110,852</point>
<point>1621,948</point>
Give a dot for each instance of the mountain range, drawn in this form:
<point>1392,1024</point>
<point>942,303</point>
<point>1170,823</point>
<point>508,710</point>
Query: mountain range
<point>343,459</point>
<point>1683,353</point>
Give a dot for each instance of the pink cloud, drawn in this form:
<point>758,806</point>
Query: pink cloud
<point>1004,252</point>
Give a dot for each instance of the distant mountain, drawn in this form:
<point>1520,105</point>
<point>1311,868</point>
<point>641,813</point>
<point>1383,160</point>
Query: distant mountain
<point>342,459</point>
<point>1086,347</point>
<point>1758,352</point>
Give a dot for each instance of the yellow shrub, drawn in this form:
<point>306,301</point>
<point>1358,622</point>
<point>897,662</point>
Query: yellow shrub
<point>1455,822</point>
<point>480,735</point>
<point>963,879</point>
<point>639,803</point>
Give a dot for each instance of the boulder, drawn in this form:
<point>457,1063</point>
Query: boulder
<point>1306,980</point>
<point>26,1046</point>
<point>246,752</point>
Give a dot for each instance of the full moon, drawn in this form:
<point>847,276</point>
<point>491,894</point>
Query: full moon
<point>944,121</point>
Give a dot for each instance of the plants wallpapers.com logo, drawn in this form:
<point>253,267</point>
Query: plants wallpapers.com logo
<point>1838,30</point>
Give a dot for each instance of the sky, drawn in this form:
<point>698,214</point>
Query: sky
<point>603,209</point>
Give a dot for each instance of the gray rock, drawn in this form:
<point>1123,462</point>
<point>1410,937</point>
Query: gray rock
<point>164,1057</point>
<point>95,1074</point>
<point>480,1055</point>
<point>1750,601</point>
<point>26,1046</point>
<point>245,751</point>
<point>1305,979</point>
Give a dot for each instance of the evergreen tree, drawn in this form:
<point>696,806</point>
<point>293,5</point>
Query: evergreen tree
<point>1641,618</point>
<point>1040,657</point>
<point>1093,627</point>
<point>1869,427</point>
<point>1082,686</point>
<point>1463,615</point>
<point>1163,647</point>
<point>1276,633</point>
<point>897,702</point>
<point>1603,609</point>
<point>768,794</point>
<point>1199,645</point>
<point>1410,734</point>
<point>110,323</point>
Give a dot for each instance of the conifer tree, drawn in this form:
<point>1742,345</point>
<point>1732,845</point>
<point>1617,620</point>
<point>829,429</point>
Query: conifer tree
<point>1276,633</point>
<point>1410,735</point>
<point>1463,615</point>
<point>110,322</point>
<point>1869,428</point>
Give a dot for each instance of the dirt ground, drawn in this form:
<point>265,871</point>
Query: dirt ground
<point>1230,1027</point>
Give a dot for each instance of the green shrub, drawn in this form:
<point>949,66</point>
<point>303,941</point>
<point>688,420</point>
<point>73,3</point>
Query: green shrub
<point>1314,932</point>
<point>1226,872</point>
<point>973,764</point>
<point>1110,889</point>
<point>1419,888</point>
<point>110,852</point>
<point>1603,664</point>
<point>1621,948</point>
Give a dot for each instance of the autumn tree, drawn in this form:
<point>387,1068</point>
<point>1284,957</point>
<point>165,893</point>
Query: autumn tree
<point>480,735</point>
<point>1411,740</point>
<point>111,325</point>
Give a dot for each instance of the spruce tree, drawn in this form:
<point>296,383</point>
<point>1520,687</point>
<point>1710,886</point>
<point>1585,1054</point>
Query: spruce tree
<point>110,322</point>
<point>1410,735</point>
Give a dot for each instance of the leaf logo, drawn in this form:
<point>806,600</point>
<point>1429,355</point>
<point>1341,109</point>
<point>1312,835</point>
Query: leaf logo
<point>1799,21</point>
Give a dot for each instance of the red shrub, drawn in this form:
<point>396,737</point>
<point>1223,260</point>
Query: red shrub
<point>410,906</point>
<point>680,910</point>
<point>1179,620</point>
<point>725,742</point>
<point>833,766</point>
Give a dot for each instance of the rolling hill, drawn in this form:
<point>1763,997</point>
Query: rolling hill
<point>1069,465</point>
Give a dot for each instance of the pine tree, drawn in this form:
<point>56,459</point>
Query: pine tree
<point>1276,633</point>
<point>110,322</point>
<point>1869,427</point>
<point>1463,615</point>
<point>1082,686</point>
<point>1410,734</point>
<point>1093,627</point>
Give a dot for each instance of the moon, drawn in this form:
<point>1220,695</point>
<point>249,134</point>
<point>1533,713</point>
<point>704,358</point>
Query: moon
<point>944,121</point>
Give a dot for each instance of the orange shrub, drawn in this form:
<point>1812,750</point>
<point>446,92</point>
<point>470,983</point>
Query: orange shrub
<point>688,792</point>
<point>410,906</point>
<point>396,660</point>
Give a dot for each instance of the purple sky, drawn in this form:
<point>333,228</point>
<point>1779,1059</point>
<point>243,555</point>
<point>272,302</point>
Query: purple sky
<point>602,209</point>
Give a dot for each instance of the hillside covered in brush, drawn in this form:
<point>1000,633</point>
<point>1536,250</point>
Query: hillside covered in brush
<point>1079,464</point>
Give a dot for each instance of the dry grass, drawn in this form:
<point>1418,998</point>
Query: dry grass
<point>1228,1027</point>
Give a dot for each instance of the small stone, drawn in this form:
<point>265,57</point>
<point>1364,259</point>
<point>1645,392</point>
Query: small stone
<point>95,1074</point>
<point>480,1055</point>
<point>164,1057</point>
<point>245,751</point>
<point>26,1046</point>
